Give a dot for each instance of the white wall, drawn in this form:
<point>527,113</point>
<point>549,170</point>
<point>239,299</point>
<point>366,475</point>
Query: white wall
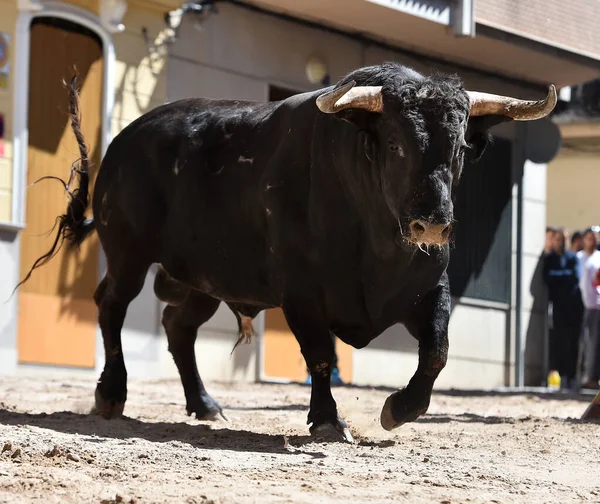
<point>9,277</point>
<point>477,354</point>
<point>534,305</point>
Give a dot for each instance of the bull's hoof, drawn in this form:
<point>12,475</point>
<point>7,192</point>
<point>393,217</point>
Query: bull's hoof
<point>107,408</point>
<point>331,432</point>
<point>205,408</point>
<point>402,407</point>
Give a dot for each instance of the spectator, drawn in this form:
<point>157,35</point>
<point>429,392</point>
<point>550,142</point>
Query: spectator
<point>596,230</point>
<point>561,274</point>
<point>576,242</point>
<point>549,234</point>
<point>589,259</point>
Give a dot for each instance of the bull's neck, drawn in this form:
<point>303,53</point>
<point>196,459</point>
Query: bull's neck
<point>360,180</point>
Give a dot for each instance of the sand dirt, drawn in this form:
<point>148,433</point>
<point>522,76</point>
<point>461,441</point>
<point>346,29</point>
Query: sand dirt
<point>469,447</point>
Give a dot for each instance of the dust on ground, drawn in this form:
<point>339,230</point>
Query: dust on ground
<point>469,447</point>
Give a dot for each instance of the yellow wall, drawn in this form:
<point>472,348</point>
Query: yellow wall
<point>8,19</point>
<point>574,190</point>
<point>141,72</point>
<point>139,85</point>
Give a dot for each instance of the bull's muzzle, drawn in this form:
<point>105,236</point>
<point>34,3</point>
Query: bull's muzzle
<point>423,232</point>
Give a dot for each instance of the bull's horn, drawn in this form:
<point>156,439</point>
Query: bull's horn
<point>520,110</point>
<point>350,97</point>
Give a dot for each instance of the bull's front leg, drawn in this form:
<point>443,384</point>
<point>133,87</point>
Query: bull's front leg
<point>429,325</point>
<point>317,347</point>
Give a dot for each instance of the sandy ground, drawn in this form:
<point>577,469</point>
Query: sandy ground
<point>474,447</point>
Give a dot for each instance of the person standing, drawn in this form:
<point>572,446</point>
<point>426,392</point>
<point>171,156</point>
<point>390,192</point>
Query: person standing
<point>561,275</point>
<point>589,259</point>
<point>576,241</point>
<point>596,230</point>
<point>550,230</point>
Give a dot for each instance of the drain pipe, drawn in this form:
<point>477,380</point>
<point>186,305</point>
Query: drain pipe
<point>463,19</point>
<point>520,168</point>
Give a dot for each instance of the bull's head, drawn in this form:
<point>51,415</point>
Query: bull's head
<point>417,131</point>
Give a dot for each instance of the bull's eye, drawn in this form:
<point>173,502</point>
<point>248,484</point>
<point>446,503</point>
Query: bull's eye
<point>395,148</point>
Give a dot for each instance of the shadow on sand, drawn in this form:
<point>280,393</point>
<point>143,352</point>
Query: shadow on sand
<point>217,436</point>
<point>95,429</point>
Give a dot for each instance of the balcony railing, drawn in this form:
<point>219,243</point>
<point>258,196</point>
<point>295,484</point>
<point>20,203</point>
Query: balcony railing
<point>584,104</point>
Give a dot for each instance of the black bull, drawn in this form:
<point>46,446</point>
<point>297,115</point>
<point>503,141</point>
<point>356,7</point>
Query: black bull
<point>335,205</point>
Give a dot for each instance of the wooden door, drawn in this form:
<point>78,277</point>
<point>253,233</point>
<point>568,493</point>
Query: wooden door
<point>57,314</point>
<point>282,356</point>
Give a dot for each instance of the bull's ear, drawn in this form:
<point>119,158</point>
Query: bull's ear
<point>361,119</point>
<point>478,135</point>
<point>477,144</point>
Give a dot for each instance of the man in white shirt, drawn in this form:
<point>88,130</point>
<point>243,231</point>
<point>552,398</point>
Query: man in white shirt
<point>589,260</point>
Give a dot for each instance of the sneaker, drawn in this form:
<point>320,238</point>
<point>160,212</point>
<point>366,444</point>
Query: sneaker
<point>335,377</point>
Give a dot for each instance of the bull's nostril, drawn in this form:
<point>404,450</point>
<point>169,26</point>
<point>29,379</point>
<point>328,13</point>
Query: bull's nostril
<point>417,228</point>
<point>446,231</point>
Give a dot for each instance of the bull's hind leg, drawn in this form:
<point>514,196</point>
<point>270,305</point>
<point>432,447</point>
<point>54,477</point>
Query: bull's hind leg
<point>317,347</point>
<point>114,293</point>
<point>181,324</point>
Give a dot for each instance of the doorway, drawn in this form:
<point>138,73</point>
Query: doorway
<point>282,356</point>
<point>57,316</point>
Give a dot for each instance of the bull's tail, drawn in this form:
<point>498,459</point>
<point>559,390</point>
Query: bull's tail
<point>72,225</point>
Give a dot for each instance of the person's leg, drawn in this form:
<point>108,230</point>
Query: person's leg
<point>570,357</point>
<point>585,344</point>
<point>595,350</point>
<point>592,339</point>
<point>580,372</point>
<point>572,348</point>
<point>563,342</point>
<point>553,348</point>
<point>561,353</point>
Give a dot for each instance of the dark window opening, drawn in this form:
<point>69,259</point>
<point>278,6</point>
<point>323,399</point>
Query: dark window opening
<point>480,260</point>
<point>277,93</point>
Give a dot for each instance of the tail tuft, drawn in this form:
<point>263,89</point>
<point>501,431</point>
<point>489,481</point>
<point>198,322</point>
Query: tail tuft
<point>72,225</point>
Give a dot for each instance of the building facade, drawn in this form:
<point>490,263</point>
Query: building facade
<point>266,50</point>
<point>123,74</point>
<point>573,177</point>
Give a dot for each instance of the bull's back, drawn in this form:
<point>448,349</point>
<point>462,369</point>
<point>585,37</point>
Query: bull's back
<point>186,180</point>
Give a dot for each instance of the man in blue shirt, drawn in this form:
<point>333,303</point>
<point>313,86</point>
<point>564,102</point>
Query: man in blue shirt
<point>561,275</point>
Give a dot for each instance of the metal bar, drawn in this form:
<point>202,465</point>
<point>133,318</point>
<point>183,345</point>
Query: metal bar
<point>463,19</point>
<point>519,352</point>
<point>546,343</point>
<point>480,303</point>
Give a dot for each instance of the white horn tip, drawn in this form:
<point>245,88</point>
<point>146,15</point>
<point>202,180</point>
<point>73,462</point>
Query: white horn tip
<point>552,93</point>
<point>326,102</point>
